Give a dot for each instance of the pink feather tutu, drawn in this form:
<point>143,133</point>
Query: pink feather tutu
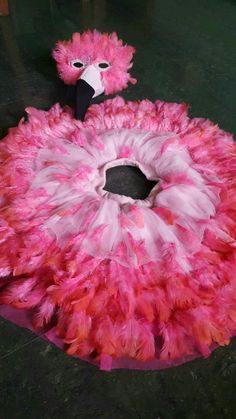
<point>116,281</point>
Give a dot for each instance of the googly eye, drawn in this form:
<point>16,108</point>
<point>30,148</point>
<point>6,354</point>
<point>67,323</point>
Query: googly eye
<point>103,65</point>
<point>77,64</point>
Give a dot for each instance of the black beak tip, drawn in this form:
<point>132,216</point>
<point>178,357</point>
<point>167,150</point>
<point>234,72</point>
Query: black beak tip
<point>83,96</point>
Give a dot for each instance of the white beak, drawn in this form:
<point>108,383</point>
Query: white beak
<point>92,76</point>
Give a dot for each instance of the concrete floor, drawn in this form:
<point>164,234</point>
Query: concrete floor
<point>185,52</point>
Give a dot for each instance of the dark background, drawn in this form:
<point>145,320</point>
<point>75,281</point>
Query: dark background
<point>186,51</point>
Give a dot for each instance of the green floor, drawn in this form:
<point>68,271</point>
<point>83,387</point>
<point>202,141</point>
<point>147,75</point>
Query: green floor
<point>186,51</point>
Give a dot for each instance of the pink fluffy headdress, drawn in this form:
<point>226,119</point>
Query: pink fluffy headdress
<point>102,50</point>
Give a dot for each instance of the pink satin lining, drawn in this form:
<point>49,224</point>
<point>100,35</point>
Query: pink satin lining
<point>107,363</point>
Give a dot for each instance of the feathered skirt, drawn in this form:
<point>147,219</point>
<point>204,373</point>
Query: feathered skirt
<point>116,281</point>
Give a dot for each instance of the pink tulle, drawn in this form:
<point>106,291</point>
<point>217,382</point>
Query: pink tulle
<point>116,281</point>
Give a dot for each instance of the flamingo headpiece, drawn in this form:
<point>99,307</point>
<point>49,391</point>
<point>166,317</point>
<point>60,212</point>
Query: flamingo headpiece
<point>96,63</point>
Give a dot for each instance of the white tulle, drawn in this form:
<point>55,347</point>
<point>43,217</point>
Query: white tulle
<point>74,177</point>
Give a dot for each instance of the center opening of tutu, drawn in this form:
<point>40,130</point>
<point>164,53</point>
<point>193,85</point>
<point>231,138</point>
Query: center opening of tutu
<point>129,181</point>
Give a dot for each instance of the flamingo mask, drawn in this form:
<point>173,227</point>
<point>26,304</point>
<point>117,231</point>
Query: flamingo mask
<point>96,63</point>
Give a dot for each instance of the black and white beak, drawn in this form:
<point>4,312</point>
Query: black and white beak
<point>89,85</point>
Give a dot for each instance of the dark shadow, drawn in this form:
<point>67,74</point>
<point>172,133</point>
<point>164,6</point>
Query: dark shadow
<point>128,181</point>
